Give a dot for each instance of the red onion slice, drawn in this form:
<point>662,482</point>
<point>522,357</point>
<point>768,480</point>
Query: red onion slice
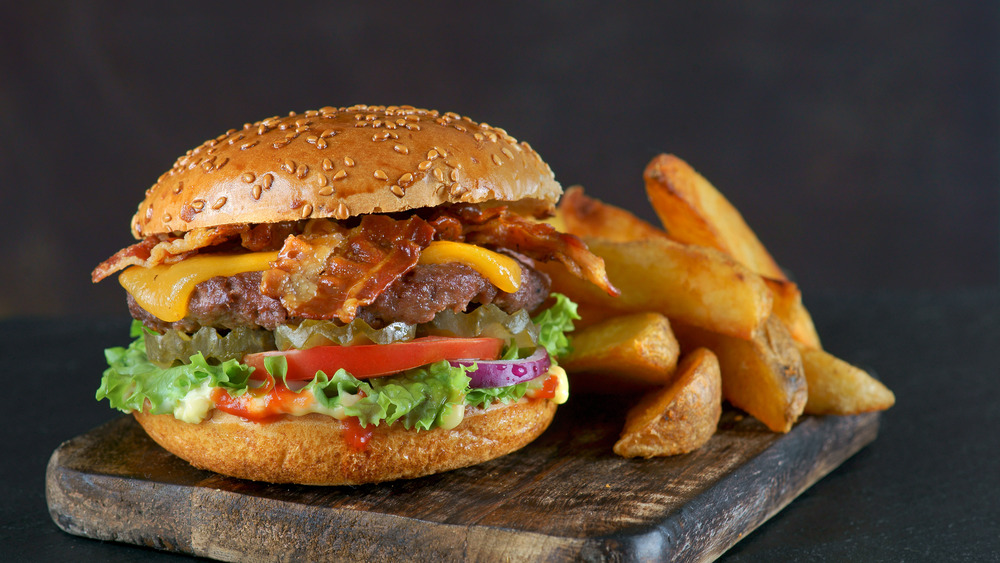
<point>501,373</point>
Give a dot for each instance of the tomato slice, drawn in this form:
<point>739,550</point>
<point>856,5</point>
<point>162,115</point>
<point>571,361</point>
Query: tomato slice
<point>373,360</point>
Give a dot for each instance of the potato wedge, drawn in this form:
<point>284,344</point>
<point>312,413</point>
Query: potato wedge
<point>694,212</point>
<point>585,216</point>
<point>837,387</point>
<point>697,286</point>
<point>789,309</point>
<point>678,418</point>
<point>763,375</point>
<point>622,354</point>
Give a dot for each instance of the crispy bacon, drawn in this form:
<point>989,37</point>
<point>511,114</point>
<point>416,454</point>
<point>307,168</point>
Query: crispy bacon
<point>499,228</point>
<point>166,249</point>
<point>332,272</point>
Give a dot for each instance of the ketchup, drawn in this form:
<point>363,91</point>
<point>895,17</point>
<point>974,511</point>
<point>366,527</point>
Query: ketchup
<point>356,436</point>
<point>548,390</point>
<point>265,404</point>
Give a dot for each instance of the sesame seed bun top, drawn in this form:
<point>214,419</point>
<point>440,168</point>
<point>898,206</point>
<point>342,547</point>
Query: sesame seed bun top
<point>342,162</point>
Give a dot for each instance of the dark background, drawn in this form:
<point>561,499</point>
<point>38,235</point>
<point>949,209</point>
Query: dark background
<point>860,140</point>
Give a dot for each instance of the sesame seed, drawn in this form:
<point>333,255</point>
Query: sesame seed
<point>307,210</point>
<point>312,139</point>
<point>245,146</point>
<point>256,191</point>
<point>432,154</point>
<point>248,177</point>
<point>167,217</point>
<point>219,203</point>
<point>198,205</point>
<point>401,149</point>
<point>179,187</point>
<point>396,190</point>
<point>327,164</point>
<point>454,175</point>
<point>406,179</point>
<point>321,144</point>
<point>507,152</point>
<point>340,175</point>
<point>302,171</point>
<point>413,127</point>
<point>439,174</point>
<point>348,161</point>
<point>288,166</point>
<point>497,159</point>
<point>321,179</point>
<point>326,190</point>
<point>478,136</point>
<point>423,166</point>
<point>342,212</point>
<point>381,175</point>
<point>460,128</point>
<point>266,180</point>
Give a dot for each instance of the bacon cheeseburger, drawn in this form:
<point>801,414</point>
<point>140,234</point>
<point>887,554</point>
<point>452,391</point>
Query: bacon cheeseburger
<point>346,296</point>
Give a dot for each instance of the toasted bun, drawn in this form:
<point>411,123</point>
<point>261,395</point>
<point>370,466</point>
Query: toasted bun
<point>344,162</point>
<point>311,450</point>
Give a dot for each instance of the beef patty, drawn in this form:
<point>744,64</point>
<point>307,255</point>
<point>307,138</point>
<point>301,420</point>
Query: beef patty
<point>234,301</point>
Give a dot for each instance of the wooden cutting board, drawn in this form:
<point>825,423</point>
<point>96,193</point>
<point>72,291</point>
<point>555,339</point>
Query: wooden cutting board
<point>564,497</point>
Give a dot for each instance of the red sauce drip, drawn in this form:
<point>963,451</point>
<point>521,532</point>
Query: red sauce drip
<point>264,404</point>
<point>548,390</point>
<point>356,436</point>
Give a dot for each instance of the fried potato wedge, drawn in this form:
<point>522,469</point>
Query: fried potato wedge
<point>789,309</point>
<point>678,418</point>
<point>694,212</point>
<point>837,387</point>
<point>694,285</point>
<point>622,354</point>
<point>762,375</point>
<point>589,217</point>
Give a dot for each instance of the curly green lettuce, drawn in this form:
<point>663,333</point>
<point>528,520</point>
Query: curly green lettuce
<point>421,398</point>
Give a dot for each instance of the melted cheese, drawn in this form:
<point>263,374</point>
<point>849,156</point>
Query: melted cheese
<point>502,271</point>
<point>165,290</point>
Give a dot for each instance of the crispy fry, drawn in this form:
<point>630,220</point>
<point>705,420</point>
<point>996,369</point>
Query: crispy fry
<point>789,309</point>
<point>623,354</point>
<point>589,217</point>
<point>763,376</point>
<point>694,212</point>
<point>697,286</point>
<point>837,387</point>
<point>678,418</point>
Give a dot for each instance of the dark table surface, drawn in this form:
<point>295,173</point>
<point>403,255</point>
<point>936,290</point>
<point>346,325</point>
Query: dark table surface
<point>928,489</point>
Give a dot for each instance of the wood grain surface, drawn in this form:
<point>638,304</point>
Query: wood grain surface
<point>564,497</point>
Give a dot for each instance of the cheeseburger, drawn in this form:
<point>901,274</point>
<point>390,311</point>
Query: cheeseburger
<point>346,296</point>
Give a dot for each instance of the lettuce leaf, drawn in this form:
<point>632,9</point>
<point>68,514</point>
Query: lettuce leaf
<point>553,324</point>
<point>131,379</point>
<point>417,398</point>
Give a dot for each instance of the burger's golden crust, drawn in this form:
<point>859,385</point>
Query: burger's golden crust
<point>311,450</point>
<point>340,163</point>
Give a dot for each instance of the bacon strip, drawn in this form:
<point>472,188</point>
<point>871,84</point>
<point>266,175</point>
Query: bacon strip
<point>540,241</point>
<point>327,275</point>
<point>164,249</point>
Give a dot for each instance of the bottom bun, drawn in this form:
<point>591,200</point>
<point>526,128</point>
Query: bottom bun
<point>312,450</point>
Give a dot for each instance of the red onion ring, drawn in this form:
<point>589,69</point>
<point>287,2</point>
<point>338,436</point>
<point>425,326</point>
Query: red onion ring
<point>502,373</point>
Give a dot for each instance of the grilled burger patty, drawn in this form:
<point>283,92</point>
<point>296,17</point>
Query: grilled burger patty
<point>235,301</point>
